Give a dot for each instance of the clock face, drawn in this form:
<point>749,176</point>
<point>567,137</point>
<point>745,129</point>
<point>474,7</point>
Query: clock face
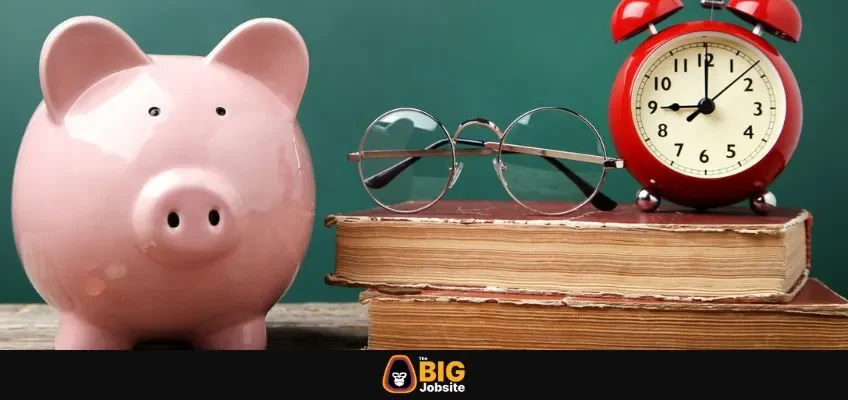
<point>708,104</point>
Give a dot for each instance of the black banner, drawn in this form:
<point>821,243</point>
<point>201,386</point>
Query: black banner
<point>364,375</point>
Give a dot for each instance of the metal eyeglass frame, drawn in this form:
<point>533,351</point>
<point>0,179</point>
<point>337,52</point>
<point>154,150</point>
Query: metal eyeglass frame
<point>592,193</point>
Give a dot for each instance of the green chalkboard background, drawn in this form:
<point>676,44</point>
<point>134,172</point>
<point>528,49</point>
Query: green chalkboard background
<point>453,58</point>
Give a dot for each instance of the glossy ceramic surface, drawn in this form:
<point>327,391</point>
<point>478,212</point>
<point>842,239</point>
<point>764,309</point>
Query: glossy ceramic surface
<point>780,18</point>
<point>165,197</point>
<point>632,17</point>
<point>688,190</point>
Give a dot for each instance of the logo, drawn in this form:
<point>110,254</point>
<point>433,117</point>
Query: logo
<point>433,376</point>
<point>399,376</point>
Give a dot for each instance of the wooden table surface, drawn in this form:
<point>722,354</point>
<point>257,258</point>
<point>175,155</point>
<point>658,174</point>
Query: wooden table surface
<point>290,326</point>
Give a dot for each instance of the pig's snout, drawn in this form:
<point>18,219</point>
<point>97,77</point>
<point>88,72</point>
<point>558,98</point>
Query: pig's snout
<point>187,216</point>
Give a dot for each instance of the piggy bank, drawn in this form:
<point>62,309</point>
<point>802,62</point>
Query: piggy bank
<point>165,197</point>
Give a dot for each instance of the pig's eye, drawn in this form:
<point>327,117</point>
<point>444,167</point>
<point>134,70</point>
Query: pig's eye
<point>221,111</point>
<point>153,111</point>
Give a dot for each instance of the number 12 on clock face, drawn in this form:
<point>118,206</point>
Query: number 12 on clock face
<point>708,105</point>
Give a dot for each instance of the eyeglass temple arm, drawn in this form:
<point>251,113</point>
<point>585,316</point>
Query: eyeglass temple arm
<point>384,177</point>
<point>600,201</point>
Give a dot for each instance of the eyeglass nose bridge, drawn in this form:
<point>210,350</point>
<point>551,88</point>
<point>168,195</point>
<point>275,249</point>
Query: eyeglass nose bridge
<point>481,122</point>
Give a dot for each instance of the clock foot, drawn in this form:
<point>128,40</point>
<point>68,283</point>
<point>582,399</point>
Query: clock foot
<point>763,203</point>
<point>647,202</point>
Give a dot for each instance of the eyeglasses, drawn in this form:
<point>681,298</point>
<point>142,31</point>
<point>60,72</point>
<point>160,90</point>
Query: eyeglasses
<point>405,167</point>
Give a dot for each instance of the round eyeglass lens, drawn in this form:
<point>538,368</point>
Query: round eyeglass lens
<point>556,181</point>
<point>407,159</point>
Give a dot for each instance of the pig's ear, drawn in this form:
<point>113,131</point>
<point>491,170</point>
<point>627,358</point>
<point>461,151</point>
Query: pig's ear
<point>271,51</point>
<point>77,54</point>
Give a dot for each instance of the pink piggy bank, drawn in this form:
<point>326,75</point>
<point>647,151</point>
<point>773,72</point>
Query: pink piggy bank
<point>165,197</point>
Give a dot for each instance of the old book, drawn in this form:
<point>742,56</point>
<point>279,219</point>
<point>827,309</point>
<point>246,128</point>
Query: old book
<point>817,318</point>
<point>726,255</point>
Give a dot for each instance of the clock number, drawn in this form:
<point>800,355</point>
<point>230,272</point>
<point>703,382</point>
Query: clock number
<point>731,65</point>
<point>663,132</point>
<point>704,157</point>
<point>730,152</point>
<point>665,83</point>
<point>750,83</point>
<point>749,132</point>
<point>759,108</point>
<point>709,59</point>
<point>679,148</point>
<point>685,65</point>
<point>653,106</point>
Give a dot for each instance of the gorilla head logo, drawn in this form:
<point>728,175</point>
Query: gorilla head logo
<point>399,376</point>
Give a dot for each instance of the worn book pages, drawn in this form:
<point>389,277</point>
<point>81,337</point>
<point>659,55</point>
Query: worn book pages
<point>817,318</point>
<point>727,255</point>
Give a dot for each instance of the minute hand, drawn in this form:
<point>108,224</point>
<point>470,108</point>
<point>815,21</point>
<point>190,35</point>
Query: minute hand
<point>695,114</point>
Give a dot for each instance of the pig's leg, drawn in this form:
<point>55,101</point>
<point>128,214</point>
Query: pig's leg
<point>247,335</point>
<point>77,334</point>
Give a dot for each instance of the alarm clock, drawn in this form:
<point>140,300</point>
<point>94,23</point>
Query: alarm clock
<point>706,114</point>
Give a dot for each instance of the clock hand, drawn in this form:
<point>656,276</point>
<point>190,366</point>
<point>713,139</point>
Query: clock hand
<point>676,107</point>
<point>736,80</point>
<point>706,72</point>
<point>708,104</point>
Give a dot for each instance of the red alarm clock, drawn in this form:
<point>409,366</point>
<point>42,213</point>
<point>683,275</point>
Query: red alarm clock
<point>706,114</point>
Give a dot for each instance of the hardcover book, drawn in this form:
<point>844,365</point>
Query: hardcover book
<point>673,254</point>
<point>817,318</point>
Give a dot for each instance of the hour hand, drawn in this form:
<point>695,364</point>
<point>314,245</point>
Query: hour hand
<point>676,107</point>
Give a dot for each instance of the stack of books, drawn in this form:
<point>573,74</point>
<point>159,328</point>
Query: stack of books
<point>491,275</point>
